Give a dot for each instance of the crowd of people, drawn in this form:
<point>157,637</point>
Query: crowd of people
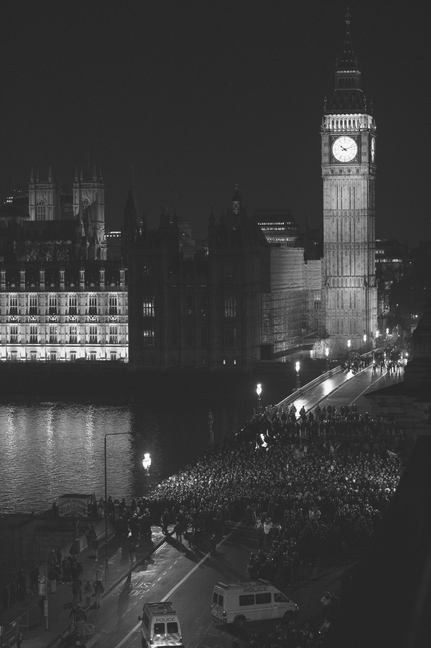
<point>309,483</point>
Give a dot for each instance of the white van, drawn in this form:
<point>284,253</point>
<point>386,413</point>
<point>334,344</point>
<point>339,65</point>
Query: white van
<point>160,625</point>
<point>250,601</point>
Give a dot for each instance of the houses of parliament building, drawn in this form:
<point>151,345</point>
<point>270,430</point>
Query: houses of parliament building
<point>253,290</point>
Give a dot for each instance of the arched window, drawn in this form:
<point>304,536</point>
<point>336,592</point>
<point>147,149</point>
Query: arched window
<point>53,303</point>
<point>41,210</point>
<point>92,305</point>
<point>113,304</point>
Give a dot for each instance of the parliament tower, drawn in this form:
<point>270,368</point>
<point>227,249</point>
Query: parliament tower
<point>349,172</point>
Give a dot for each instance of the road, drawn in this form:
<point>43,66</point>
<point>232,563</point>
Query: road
<point>187,578</point>
<point>353,389</point>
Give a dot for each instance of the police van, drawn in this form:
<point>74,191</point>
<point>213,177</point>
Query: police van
<point>251,601</point>
<point>160,625</point>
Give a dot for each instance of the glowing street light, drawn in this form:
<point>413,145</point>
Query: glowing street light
<point>258,392</point>
<point>297,367</point>
<point>349,344</point>
<point>146,462</point>
<point>327,358</point>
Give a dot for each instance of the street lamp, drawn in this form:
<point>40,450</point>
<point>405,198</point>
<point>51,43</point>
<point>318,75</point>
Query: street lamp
<point>106,503</point>
<point>258,392</point>
<point>349,344</point>
<point>297,367</point>
<point>327,358</point>
<point>146,462</point>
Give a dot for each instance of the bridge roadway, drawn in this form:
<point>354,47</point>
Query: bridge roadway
<point>343,388</point>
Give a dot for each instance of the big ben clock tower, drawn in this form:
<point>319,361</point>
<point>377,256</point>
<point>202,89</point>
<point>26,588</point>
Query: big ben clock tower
<point>349,172</point>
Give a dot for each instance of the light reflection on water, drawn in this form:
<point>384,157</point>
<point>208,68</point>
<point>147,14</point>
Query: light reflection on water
<point>49,449</point>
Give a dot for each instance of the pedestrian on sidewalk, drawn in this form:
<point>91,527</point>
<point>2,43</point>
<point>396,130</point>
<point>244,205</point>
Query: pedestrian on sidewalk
<point>98,590</point>
<point>80,618</point>
<point>87,593</point>
<point>213,544</point>
<point>65,566</point>
<point>95,547</point>
<point>77,591</point>
<point>52,578</point>
<point>99,572</point>
<point>165,521</point>
<point>18,638</point>
<point>132,548</point>
<point>178,533</point>
<point>34,579</point>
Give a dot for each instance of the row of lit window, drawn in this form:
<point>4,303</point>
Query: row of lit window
<point>72,335</point>
<point>72,304</point>
<point>53,356</point>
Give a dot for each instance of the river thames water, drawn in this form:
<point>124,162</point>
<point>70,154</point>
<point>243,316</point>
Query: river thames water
<point>48,449</point>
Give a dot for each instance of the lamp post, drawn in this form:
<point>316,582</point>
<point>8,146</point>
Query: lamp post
<point>106,503</point>
<point>297,367</point>
<point>258,392</point>
<point>349,343</point>
<point>146,462</point>
<point>327,358</point>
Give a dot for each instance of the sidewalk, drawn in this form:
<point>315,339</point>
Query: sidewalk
<point>59,603</point>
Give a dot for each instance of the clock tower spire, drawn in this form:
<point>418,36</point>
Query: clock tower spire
<point>348,171</point>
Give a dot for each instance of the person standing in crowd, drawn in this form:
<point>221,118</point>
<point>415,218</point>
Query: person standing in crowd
<point>178,532</point>
<point>99,572</point>
<point>87,593</point>
<point>80,618</point>
<point>76,591</point>
<point>98,590</point>
<point>165,521</point>
<point>34,579</point>
<point>52,580</point>
<point>66,569</point>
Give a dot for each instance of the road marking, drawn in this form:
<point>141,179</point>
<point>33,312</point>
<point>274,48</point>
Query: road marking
<point>174,589</point>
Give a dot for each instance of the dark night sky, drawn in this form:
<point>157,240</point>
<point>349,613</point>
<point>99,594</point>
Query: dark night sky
<point>199,95</point>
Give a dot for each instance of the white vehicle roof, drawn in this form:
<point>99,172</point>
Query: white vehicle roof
<point>260,582</point>
<point>159,609</point>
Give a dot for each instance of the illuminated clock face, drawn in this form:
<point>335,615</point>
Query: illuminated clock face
<point>344,149</point>
<point>373,149</point>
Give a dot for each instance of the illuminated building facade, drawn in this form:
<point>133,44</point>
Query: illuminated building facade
<point>349,172</point>
<point>63,313</point>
